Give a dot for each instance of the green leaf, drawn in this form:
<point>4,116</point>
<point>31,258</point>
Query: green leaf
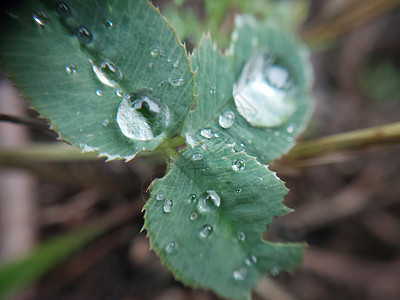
<point>56,70</point>
<point>216,242</point>
<point>217,74</point>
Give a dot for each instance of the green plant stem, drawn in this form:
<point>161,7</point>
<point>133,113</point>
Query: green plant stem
<point>349,141</point>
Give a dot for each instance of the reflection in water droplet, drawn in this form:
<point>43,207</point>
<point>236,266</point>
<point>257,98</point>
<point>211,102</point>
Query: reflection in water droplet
<point>108,24</point>
<point>84,35</point>
<point>105,122</point>
<point>167,208</point>
<point>265,93</point>
<point>142,115</point>
<point>192,199</point>
<point>238,165</point>
<point>239,274</point>
<point>40,18</point>
<point>107,72</point>
<point>193,216</point>
<point>176,81</point>
<point>99,93</point>
<point>227,119</point>
<point>170,247</point>
<point>241,236</point>
<point>209,201</point>
<point>197,156</point>
<point>118,93</point>
<point>71,69</point>
<point>206,231</point>
<point>63,10</point>
<point>159,197</point>
<point>207,133</point>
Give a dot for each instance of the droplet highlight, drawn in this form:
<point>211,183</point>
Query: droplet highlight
<point>83,35</point>
<point>238,165</point>
<point>99,93</point>
<point>63,10</point>
<point>40,18</point>
<point>107,72</point>
<point>142,115</point>
<point>241,236</point>
<point>159,197</point>
<point>206,231</point>
<point>191,199</point>
<point>240,274</point>
<point>207,133</point>
<point>170,247</point>
<point>71,69</point>
<point>265,93</point>
<point>197,156</point>
<point>193,216</point>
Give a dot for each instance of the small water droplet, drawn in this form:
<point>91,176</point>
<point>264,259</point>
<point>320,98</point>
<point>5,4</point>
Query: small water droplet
<point>84,35</point>
<point>108,24</point>
<point>260,178</point>
<point>176,81</point>
<point>107,72</point>
<point>154,52</point>
<point>213,90</point>
<point>193,216</point>
<point>290,129</point>
<point>289,139</point>
<point>192,199</point>
<point>159,197</point>
<point>250,260</point>
<point>162,52</point>
<point>118,93</point>
<point>197,156</point>
<point>167,208</point>
<point>238,165</point>
<point>227,119</point>
<point>176,64</point>
<point>241,236</point>
<point>63,10</point>
<point>142,115</point>
<point>207,133</point>
<point>216,134</point>
<point>238,190</point>
<point>40,18</point>
<point>170,247</point>
<point>105,122</point>
<point>151,65</point>
<point>169,59</point>
<point>206,231</point>
<point>265,94</point>
<point>209,201</point>
<point>99,93</point>
<point>239,274</point>
<point>274,271</point>
<point>71,69</point>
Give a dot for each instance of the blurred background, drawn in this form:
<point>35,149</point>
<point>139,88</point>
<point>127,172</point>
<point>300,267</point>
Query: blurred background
<point>70,223</point>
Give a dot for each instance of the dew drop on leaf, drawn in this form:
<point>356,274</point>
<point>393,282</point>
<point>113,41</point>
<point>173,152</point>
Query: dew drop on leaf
<point>63,10</point>
<point>71,69</point>
<point>107,72</point>
<point>167,207</point>
<point>209,201</point>
<point>176,81</point>
<point>142,115</point>
<point>118,93</point>
<point>227,119</point>
<point>206,231</point>
<point>40,18</point>
<point>150,65</point>
<point>197,156</point>
<point>250,260</point>
<point>154,52</point>
<point>192,199</point>
<point>108,24</point>
<point>84,35</point>
<point>170,247</point>
<point>238,165</point>
<point>207,133</point>
<point>265,91</point>
<point>176,64</point>
<point>105,122</point>
<point>290,129</point>
<point>240,274</point>
<point>241,236</point>
<point>159,197</point>
<point>99,93</point>
<point>193,216</point>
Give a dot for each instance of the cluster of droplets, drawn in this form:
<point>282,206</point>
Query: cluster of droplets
<point>173,81</point>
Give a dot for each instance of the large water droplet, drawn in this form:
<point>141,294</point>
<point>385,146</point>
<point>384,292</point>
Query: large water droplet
<point>84,35</point>
<point>207,133</point>
<point>206,231</point>
<point>167,207</point>
<point>209,201</point>
<point>142,115</point>
<point>265,93</point>
<point>107,72</point>
<point>240,274</point>
<point>170,247</point>
<point>63,10</point>
<point>227,119</point>
<point>238,165</point>
<point>71,69</point>
<point>40,18</point>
